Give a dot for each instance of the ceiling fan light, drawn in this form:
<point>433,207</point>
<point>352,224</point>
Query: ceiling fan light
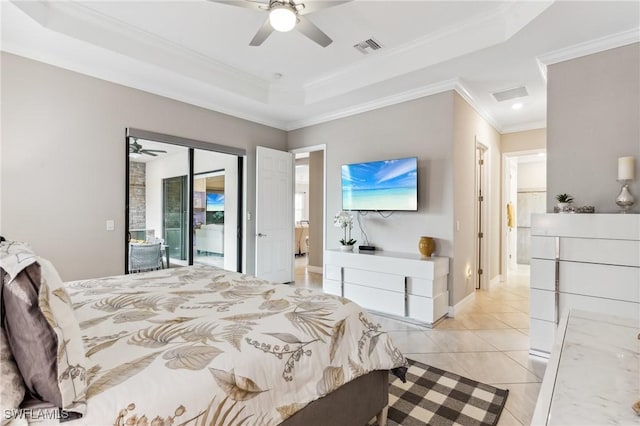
<point>282,18</point>
<point>134,155</point>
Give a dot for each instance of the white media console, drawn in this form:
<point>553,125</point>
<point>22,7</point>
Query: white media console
<point>399,284</point>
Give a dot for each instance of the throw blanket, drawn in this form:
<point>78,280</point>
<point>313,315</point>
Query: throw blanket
<point>195,345</point>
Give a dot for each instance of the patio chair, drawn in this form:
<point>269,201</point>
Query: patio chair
<point>145,257</point>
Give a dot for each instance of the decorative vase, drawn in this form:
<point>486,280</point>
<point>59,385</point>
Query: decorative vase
<point>346,247</point>
<point>563,207</point>
<point>427,246</point>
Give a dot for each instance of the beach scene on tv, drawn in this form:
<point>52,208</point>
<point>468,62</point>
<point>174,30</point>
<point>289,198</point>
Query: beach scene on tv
<point>381,185</point>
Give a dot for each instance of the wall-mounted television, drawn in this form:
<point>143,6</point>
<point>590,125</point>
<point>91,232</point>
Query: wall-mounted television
<point>387,185</point>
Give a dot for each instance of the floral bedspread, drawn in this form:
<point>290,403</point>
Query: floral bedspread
<point>200,345</point>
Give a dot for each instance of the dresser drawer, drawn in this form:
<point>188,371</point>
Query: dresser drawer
<point>543,247</point>
<point>606,281</point>
<point>543,274</point>
<point>374,279</point>
<point>426,288</point>
<point>376,299</point>
<point>611,252</point>
<point>332,287</point>
<point>333,272</point>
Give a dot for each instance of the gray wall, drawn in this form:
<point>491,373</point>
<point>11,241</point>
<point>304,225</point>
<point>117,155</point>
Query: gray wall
<point>421,128</point>
<point>593,110</point>
<point>62,160</point>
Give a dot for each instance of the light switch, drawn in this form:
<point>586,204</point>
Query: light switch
<point>111,225</point>
<point>457,225</point>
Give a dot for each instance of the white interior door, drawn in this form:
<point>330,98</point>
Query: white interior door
<point>274,215</point>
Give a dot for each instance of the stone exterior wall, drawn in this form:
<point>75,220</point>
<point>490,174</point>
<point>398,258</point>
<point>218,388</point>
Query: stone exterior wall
<point>137,195</point>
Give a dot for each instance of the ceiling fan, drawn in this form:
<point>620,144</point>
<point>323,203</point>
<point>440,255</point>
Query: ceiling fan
<point>284,15</point>
<point>136,150</point>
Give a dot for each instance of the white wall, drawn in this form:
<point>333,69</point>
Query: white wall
<point>532,176</point>
<point>63,160</point>
<point>593,110</point>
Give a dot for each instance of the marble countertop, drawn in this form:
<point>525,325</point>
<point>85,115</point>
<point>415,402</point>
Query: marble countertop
<point>597,378</point>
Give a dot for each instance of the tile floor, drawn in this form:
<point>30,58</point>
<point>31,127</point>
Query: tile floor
<point>487,341</point>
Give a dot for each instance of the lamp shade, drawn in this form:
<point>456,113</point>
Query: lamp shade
<point>282,18</point>
<point>626,168</point>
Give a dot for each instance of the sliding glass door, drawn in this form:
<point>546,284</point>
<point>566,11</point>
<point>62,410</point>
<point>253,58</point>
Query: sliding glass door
<point>184,197</point>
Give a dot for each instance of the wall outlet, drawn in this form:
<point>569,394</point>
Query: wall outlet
<point>111,225</point>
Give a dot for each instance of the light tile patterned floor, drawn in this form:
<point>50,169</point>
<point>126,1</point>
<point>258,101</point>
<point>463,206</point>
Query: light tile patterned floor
<point>488,341</point>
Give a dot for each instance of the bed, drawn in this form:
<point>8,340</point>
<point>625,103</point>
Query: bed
<point>200,345</point>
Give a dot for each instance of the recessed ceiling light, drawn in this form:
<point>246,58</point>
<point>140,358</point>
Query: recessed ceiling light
<point>517,105</point>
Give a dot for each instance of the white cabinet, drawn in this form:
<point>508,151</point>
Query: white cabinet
<point>582,261</point>
<point>394,283</point>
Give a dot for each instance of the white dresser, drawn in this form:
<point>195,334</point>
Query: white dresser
<point>399,284</point>
<point>582,261</point>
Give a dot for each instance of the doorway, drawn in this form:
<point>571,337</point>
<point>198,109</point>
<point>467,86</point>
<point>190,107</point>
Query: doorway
<point>524,183</point>
<point>185,195</point>
<point>310,215</point>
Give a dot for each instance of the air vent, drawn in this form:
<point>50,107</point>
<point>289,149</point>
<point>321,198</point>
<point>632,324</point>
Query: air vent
<point>505,95</point>
<point>368,45</point>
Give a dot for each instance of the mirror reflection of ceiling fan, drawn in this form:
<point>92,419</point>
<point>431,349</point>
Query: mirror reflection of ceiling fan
<point>285,15</point>
<point>136,150</point>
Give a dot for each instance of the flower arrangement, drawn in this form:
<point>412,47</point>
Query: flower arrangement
<point>344,220</point>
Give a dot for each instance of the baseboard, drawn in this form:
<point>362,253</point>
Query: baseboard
<point>458,306</point>
<point>314,269</point>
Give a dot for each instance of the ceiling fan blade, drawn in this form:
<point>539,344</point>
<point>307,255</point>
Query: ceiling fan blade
<point>262,34</point>
<point>310,30</point>
<point>155,150</point>
<point>146,151</point>
<point>247,4</point>
<point>312,6</point>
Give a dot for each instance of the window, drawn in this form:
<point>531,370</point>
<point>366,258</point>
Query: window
<point>300,213</point>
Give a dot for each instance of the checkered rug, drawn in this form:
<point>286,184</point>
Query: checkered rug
<point>436,397</point>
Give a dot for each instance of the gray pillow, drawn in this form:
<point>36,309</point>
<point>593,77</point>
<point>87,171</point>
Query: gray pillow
<point>32,340</point>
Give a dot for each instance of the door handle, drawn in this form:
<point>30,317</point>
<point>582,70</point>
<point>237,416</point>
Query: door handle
<point>260,234</point>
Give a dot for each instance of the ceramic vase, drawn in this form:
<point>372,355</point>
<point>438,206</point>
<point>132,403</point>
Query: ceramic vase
<point>346,247</point>
<point>426,246</point>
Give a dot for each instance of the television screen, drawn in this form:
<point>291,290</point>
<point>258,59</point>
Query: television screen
<point>388,185</point>
<point>215,202</point>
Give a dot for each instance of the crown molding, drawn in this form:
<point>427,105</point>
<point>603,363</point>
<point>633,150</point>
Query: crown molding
<point>462,91</point>
<point>408,95</point>
<point>590,47</point>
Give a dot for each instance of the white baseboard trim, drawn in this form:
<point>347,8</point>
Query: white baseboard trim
<point>314,269</point>
<point>458,306</point>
